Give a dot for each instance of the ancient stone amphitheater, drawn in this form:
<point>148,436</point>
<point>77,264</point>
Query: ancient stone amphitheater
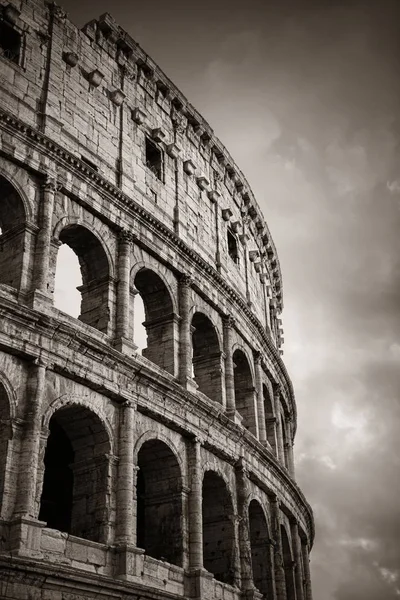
<point>154,475</point>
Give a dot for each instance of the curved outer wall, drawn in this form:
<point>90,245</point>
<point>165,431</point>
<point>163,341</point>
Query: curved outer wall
<point>165,474</point>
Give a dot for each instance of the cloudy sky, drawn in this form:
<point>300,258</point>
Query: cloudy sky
<point>306,96</point>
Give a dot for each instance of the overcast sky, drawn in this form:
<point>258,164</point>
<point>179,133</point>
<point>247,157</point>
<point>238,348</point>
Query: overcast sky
<point>306,97</point>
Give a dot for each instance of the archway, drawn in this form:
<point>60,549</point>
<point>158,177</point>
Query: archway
<point>244,391</point>
<point>160,320</point>
<point>207,366</point>
<point>75,483</point>
<point>218,529</point>
<point>260,553</point>
<point>159,503</point>
<point>12,235</point>
<point>95,272</point>
<point>288,565</point>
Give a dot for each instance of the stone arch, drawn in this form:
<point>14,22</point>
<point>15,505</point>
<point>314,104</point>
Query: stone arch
<point>13,218</point>
<point>270,421</point>
<point>218,528</point>
<point>158,269</point>
<point>7,413</point>
<point>160,318</point>
<point>96,270</point>
<point>76,474</point>
<point>207,357</point>
<point>245,396</point>
<point>260,548</point>
<point>158,435</point>
<point>159,512</point>
<point>288,565</point>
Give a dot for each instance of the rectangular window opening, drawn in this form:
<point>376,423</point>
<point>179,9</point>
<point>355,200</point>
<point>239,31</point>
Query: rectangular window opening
<point>10,42</point>
<point>233,247</point>
<point>154,158</point>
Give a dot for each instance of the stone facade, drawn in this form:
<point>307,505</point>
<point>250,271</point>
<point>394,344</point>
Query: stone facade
<point>167,474</point>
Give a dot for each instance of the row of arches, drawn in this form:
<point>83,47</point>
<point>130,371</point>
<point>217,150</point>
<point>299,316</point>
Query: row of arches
<point>76,483</point>
<point>153,309</point>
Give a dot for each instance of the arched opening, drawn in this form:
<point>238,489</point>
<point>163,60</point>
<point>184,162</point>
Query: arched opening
<point>160,320</point>
<point>12,235</point>
<point>260,553</point>
<point>288,565</point>
<point>159,503</point>
<point>269,418</point>
<point>67,282</point>
<point>5,436</point>
<point>218,530</point>
<point>244,391</point>
<point>75,483</point>
<point>207,366</point>
<point>95,275</point>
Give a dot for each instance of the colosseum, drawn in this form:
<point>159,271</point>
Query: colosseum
<point>158,474</point>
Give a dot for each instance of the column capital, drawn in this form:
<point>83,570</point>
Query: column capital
<point>51,184</point>
<point>126,237</point>
<point>228,321</point>
<point>185,280</point>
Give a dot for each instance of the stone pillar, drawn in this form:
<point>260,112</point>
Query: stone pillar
<point>307,576</point>
<point>272,584</point>
<point>26,504</point>
<point>280,451</point>
<point>246,569</point>
<point>228,323</point>
<point>280,584</point>
<point>298,570</point>
<point>195,507</point>
<point>185,338</point>
<point>124,313</point>
<point>262,433</point>
<point>289,448</point>
<point>125,481</point>
<point>42,250</point>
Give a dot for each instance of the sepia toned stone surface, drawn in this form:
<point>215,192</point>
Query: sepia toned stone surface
<point>166,474</point>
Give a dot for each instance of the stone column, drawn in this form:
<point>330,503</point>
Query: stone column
<point>123,340</point>
<point>280,584</point>
<point>42,250</point>
<point>271,583</point>
<point>185,338</point>
<point>125,481</point>
<point>26,504</point>
<point>262,433</point>
<point>307,576</point>
<point>298,570</point>
<point>246,568</point>
<point>195,507</point>
<point>228,323</point>
<point>280,451</point>
<point>289,450</point>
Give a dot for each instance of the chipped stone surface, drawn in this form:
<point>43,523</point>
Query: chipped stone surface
<point>124,474</point>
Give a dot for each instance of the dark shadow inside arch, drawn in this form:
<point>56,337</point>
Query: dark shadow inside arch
<point>244,391</point>
<point>75,482</point>
<point>93,262</point>
<point>5,436</point>
<point>218,530</point>
<point>270,424</point>
<point>159,503</point>
<point>260,549</point>
<point>288,565</point>
<point>12,235</point>
<point>160,319</point>
<point>206,357</point>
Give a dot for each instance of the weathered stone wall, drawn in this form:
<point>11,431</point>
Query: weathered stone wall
<point>171,472</point>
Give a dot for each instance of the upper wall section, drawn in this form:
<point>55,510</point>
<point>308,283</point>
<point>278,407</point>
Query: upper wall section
<point>101,98</point>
